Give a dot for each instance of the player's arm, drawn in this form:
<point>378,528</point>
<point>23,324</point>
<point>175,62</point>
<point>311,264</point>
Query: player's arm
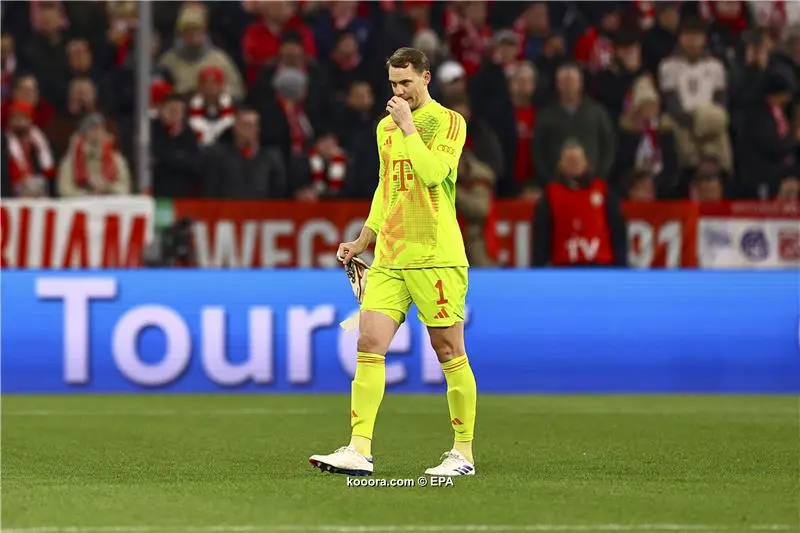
<point>375,217</point>
<point>435,164</point>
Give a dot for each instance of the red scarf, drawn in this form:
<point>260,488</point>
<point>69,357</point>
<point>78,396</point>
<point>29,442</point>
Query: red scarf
<point>21,162</point>
<point>81,167</point>
<point>299,125</point>
<point>781,123</point>
<point>327,174</point>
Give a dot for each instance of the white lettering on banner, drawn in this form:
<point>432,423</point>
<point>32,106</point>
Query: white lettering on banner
<point>76,294</point>
<point>521,242</point>
<point>669,234</point>
<point>305,243</point>
<point>178,341</point>
<point>257,368</point>
<point>102,232</point>
<point>581,246</point>
<point>271,255</point>
<point>395,371</point>
<point>302,324</point>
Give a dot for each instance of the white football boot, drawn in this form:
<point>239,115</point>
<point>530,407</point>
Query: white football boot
<point>453,464</point>
<point>345,460</point>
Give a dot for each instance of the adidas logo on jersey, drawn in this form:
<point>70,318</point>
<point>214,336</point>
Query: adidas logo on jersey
<point>442,314</point>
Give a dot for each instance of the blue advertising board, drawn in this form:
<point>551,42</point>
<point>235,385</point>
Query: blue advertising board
<point>188,331</point>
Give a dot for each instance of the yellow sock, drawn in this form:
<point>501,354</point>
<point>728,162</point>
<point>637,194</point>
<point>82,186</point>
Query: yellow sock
<point>366,396</point>
<point>462,395</point>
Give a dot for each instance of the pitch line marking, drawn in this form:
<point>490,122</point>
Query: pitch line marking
<point>263,411</point>
<point>487,528</point>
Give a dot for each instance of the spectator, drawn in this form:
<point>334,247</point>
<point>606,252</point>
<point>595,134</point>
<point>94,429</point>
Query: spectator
<point>31,164</point>
<point>341,17</point>
<point>401,26</point>
<point>514,120</point>
<point>175,156</point>
<point>789,186</point>
<point>355,130</point>
<point>481,138</point>
<point>488,86</point>
<point>612,85</point>
<point>81,61</point>
<point>292,56</point>
<point>707,188</point>
<point>211,110</point>
<point>595,48</point>
<point>46,54</point>
<point>769,135</point>
<point>576,117</point>
<point>285,123</point>
<point>646,141</point>
<point>328,164</point>
<point>428,41</point>
<point>660,41</point>
<point>450,83</point>
<point>81,102</point>
<point>640,187</point>
<point>695,92</point>
<point>469,41</point>
<point>93,166</point>
<point>533,28</point>
<point>758,58</point>
<point>194,51</point>
<point>26,89</point>
<point>474,204</point>
<point>243,169</point>
<point>263,38</point>
<point>578,221</point>
<point>346,65</point>
<point>552,58</point>
<point>8,66</point>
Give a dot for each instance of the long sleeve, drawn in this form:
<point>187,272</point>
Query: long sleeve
<point>436,164</point>
<point>375,217</point>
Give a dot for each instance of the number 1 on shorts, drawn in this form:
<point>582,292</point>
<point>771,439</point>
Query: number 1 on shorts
<point>442,300</point>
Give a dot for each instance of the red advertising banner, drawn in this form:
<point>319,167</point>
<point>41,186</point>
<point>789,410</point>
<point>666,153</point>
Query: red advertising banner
<point>258,234</point>
<point>100,232</point>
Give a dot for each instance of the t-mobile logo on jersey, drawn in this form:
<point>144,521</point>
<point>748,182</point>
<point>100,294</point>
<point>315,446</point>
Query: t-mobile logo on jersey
<point>402,171</point>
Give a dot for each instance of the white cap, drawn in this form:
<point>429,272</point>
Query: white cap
<point>450,71</point>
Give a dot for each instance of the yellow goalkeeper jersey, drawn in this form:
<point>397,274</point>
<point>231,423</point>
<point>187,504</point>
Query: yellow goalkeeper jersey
<point>413,211</point>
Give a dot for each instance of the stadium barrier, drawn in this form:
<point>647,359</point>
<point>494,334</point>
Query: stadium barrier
<point>109,232</point>
<point>276,331</point>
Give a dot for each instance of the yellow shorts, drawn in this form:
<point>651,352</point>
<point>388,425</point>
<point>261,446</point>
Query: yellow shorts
<point>439,293</point>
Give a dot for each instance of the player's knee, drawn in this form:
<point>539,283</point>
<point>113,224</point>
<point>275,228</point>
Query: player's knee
<point>371,342</point>
<point>445,348</point>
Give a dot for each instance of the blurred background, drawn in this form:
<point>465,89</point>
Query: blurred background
<point>177,102</point>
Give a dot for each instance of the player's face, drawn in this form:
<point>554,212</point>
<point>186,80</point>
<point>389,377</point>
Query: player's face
<point>409,84</point>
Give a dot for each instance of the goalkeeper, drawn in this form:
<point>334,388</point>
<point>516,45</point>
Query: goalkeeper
<point>419,258</point>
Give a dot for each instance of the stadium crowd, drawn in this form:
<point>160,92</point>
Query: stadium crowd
<point>280,99</point>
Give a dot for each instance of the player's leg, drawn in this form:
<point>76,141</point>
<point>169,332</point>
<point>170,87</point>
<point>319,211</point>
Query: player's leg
<point>376,331</point>
<point>386,302</point>
<point>440,296</point>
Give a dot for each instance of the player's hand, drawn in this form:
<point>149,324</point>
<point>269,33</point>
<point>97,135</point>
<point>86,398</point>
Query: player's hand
<point>347,250</point>
<point>400,112</point>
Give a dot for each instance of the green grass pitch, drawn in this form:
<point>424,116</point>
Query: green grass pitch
<point>239,464</point>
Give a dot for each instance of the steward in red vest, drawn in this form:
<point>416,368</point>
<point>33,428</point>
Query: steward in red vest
<point>579,220</point>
